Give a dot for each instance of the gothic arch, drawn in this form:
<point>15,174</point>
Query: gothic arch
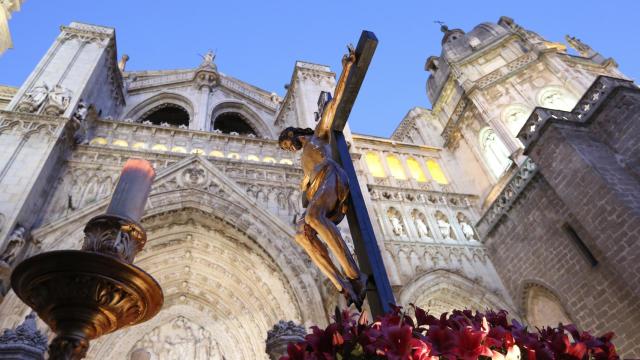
<point>251,118</point>
<point>542,306</point>
<point>217,276</point>
<point>141,110</point>
<point>219,258</point>
<point>442,291</point>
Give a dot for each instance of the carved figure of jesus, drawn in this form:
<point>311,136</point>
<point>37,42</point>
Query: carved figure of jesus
<point>326,189</point>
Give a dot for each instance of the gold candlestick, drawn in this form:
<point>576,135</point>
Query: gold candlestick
<point>84,294</point>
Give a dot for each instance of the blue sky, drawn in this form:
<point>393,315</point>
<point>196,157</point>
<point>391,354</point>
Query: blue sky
<point>259,41</point>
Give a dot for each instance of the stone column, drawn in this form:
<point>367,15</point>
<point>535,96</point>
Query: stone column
<point>283,333</point>
<point>26,342</point>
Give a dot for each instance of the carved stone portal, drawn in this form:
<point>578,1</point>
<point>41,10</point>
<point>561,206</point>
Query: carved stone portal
<point>179,339</point>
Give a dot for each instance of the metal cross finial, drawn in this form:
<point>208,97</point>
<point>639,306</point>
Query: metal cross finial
<point>443,27</point>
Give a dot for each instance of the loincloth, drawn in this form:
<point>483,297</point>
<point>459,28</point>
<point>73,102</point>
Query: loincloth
<point>330,173</point>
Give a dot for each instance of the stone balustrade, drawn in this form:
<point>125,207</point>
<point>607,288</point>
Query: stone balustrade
<point>143,137</point>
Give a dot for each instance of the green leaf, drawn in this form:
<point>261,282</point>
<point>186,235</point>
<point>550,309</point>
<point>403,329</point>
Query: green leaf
<point>357,351</point>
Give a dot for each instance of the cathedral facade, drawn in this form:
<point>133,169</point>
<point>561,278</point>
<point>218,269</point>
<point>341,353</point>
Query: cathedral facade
<point>518,190</point>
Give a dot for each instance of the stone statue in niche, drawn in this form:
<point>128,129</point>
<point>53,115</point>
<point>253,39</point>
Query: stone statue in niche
<point>467,229</point>
<point>293,204</point>
<point>34,98</point>
<point>421,225</point>
<point>397,225</point>
<point>15,243</point>
<point>444,226</point>
<point>282,202</point>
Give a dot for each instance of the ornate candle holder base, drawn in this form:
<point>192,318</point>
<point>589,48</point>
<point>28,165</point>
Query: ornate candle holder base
<point>82,295</point>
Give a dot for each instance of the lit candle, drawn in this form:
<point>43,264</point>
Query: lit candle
<point>132,191</point>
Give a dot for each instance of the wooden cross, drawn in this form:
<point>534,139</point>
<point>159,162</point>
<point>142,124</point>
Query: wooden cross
<point>379,293</point>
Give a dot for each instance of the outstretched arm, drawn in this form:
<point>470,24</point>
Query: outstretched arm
<point>323,129</point>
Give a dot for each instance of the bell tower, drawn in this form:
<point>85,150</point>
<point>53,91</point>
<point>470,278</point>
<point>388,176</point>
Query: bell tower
<point>486,82</point>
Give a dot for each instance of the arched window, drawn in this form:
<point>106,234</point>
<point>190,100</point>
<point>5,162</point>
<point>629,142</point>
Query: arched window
<point>495,153</point>
<point>168,114</point>
<point>233,123</point>
<point>514,117</point>
<point>416,171</point>
<point>556,97</point>
<point>374,164</point>
<point>395,166</point>
<point>436,172</point>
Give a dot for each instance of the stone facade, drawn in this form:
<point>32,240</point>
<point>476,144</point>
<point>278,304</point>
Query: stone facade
<point>221,212</point>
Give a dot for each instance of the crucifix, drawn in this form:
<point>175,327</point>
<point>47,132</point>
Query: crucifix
<point>331,190</point>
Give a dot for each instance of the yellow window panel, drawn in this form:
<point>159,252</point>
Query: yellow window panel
<point>98,141</point>
<point>375,165</point>
<point>436,172</point>
<point>159,147</point>
<point>415,170</point>
<point>395,166</point>
<point>139,145</point>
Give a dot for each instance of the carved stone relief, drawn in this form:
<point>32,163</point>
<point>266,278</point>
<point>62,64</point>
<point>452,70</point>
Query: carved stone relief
<point>181,339</point>
<point>54,100</point>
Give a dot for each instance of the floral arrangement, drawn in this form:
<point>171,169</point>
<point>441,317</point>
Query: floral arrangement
<point>460,335</point>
